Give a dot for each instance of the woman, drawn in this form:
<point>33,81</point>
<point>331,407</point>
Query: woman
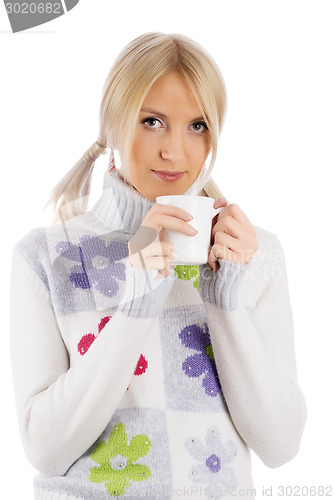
<point>132,386</point>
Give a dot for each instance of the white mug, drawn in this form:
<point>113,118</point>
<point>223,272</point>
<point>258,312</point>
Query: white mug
<point>191,250</point>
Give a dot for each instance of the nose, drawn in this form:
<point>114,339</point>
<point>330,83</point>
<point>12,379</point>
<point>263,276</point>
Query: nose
<point>172,148</point>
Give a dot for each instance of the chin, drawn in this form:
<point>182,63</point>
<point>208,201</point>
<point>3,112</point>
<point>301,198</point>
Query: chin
<point>171,190</point>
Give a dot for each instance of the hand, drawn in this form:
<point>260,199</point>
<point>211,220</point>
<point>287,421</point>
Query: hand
<point>233,237</point>
<point>146,251</point>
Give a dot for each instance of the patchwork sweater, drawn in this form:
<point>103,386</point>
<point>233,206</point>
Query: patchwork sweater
<point>130,386</point>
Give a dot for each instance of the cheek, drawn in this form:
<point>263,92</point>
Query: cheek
<point>135,150</point>
<point>138,157</point>
<point>207,145</point>
<point>142,149</point>
<point>200,151</point>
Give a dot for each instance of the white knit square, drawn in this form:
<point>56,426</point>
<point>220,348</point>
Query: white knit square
<point>219,457</point>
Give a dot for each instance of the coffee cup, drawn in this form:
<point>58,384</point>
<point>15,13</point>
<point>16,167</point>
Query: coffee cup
<point>191,250</point>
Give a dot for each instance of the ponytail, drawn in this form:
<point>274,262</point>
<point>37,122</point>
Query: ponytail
<point>212,190</point>
<point>70,196</point>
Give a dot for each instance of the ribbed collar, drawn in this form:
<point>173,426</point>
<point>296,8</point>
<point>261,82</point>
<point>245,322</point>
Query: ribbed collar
<point>120,207</point>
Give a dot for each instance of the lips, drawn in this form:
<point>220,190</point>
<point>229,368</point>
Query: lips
<point>168,176</point>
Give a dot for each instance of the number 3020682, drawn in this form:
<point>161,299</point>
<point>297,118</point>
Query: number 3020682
<point>305,491</point>
<point>33,8</point>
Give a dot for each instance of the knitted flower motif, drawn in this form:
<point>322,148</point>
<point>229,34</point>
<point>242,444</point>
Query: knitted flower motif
<point>212,469</point>
<point>87,340</point>
<point>117,460</point>
<point>98,263</point>
<point>188,273</point>
<point>196,365</point>
<point>85,343</point>
<point>141,366</point>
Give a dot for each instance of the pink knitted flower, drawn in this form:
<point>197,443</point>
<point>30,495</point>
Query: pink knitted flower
<point>141,366</point>
<point>85,343</point>
<point>87,340</point>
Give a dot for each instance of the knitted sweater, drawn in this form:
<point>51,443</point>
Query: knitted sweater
<point>134,387</point>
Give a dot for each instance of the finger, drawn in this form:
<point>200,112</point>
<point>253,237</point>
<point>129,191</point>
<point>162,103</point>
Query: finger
<point>246,244</point>
<point>235,211</point>
<point>244,253</point>
<point>139,261</point>
<point>224,239</point>
<point>225,253</point>
<point>164,273</point>
<point>162,221</point>
<point>221,202</point>
<point>171,210</point>
<point>230,226</point>
<point>156,249</point>
<point>167,249</point>
<point>214,265</point>
<point>143,237</point>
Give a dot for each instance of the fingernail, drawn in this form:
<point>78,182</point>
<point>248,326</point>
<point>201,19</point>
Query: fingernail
<point>192,230</point>
<point>188,216</point>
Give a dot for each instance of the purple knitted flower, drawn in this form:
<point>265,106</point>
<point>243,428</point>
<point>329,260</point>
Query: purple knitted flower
<point>213,463</point>
<point>98,263</point>
<point>196,365</point>
<point>212,468</point>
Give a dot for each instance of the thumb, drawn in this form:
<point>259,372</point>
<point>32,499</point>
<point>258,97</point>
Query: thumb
<point>221,202</point>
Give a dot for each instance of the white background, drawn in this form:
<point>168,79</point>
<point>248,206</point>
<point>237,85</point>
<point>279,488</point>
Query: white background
<point>275,161</point>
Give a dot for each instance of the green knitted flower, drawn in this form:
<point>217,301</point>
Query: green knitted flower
<point>117,461</point>
<point>188,273</point>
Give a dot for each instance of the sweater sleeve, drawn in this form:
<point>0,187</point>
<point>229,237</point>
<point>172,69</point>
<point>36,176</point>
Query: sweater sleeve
<point>63,409</point>
<point>251,327</point>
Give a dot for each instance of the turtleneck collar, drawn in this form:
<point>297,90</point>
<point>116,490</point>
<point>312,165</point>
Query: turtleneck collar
<point>120,207</point>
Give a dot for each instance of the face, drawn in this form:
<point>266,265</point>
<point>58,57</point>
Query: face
<point>171,140</point>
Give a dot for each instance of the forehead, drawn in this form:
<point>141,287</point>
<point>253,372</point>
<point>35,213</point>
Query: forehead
<point>171,93</point>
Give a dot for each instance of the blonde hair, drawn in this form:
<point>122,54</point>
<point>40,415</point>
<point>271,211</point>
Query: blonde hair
<point>138,66</point>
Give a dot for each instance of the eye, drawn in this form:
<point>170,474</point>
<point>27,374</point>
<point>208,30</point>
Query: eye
<point>199,127</point>
<point>152,123</point>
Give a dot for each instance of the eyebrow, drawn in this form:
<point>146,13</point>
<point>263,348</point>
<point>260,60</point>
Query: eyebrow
<point>158,113</point>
